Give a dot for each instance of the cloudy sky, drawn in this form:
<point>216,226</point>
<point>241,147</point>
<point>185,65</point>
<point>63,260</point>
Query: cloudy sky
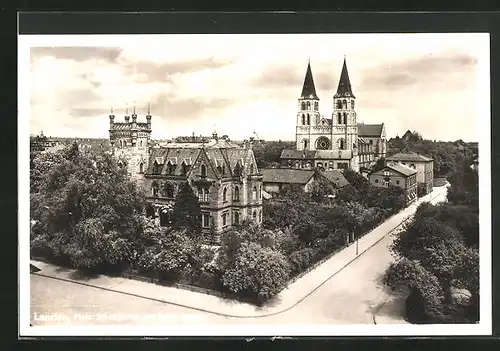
<point>238,84</point>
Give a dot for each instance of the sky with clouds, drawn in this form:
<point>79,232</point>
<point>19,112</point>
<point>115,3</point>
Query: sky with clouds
<point>238,84</point>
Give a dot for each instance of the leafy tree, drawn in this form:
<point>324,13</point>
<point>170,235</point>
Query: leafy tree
<point>257,272</point>
<point>87,210</point>
<point>380,164</point>
<point>186,213</point>
<point>321,189</point>
<point>170,254</point>
<point>356,180</point>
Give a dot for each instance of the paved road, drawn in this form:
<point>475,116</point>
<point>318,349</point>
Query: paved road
<point>348,297</point>
<point>351,296</point>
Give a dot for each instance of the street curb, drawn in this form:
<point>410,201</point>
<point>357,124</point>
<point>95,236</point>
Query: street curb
<point>237,316</point>
<point>225,314</point>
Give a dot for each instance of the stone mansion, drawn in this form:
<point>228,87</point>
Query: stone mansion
<point>338,142</point>
<point>223,175</point>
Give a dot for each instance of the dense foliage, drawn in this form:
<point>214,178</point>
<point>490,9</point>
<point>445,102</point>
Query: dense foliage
<point>268,154</point>
<point>438,254</point>
<point>85,210</point>
<point>448,156</point>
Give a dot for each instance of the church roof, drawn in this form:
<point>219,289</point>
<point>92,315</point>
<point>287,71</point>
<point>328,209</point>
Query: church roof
<point>344,89</point>
<point>370,130</point>
<point>308,90</point>
<point>316,154</point>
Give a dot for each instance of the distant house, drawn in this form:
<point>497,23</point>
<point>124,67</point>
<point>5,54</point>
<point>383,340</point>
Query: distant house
<point>274,179</point>
<point>399,175</point>
<point>407,136</point>
<point>422,164</point>
<point>41,143</point>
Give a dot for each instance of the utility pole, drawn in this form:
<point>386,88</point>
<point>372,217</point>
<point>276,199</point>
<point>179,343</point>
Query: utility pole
<point>357,246</point>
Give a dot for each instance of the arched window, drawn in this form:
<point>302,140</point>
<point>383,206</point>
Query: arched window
<point>120,164</point>
<point>303,105</point>
<point>308,105</point>
<point>150,212</point>
<point>164,218</point>
<point>184,168</point>
<point>140,143</point>
<point>339,104</point>
<point>305,142</point>
<point>203,171</point>
<point>352,104</point>
<point>341,144</point>
<point>260,192</point>
<point>236,218</point>
<point>224,194</point>
<point>344,103</point>
<point>254,193</point>
<point>297,164</point>
<point>169,190</point>
<point>345,118</point>
<point>308,120</point>
<point>141,167</point>
<point>254,215</point>
<point>303,119</point>
<point>316,106</point>
<point>154,189</point>
<point>339,118</point>
<point>236,193</point>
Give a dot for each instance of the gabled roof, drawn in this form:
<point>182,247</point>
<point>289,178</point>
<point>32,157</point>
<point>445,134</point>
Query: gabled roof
<point>408,156</point>
<point>297,154</point>
<point>334,176</point>
<point>308,90</point>
<point>399,168</point>
<point>370,130</point>
<point>287,175</point>
<point>344,88</point>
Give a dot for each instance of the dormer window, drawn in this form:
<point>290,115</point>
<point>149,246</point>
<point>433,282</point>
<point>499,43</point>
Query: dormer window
<point>185,168</point>
<point>203,171</point>
<point>170,168</point>
<point>156,168</point>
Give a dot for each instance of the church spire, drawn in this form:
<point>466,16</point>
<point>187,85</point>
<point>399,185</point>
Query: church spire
<point>308,90</point>
<point>344,88</point>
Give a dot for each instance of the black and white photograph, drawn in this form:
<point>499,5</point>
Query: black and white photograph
<point>256,184</point>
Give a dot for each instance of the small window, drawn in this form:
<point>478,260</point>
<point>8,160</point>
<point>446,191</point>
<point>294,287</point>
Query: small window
<point>397,182</point>
<point>254,215</point>
<point>308,119</point>
<point>169,190</point>
<point>224,219</point>
<point>236,217</point>
<point>303,106</point>
<point>376,181</point>
<point>154,189</point>
<point>203,171</point>
<point>236,193</point>
<point>224,194</point>
<point>254,193</point>
<point>156,168</point>
<point>141,167</point>
<point>308,105</point>
<point>316,106</point>
<point>303,119</point>
<point>205,220</point>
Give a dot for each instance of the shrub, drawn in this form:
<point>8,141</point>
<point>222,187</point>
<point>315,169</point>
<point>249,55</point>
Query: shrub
<point>302,259</point>
<point>256,272</point>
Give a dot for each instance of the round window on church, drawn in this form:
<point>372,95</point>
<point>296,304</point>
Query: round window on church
<point>323,143</point>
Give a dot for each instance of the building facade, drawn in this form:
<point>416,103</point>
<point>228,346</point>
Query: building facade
<point>333,141</point>
<point>397,174</point>
<point>223,176</point>
<point>422,164</point>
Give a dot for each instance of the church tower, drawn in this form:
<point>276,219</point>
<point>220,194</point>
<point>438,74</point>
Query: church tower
<point>308,112</point>
<point>345,129</point>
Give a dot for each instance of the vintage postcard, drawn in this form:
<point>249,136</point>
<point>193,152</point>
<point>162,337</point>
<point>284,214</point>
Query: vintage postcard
<point>263,184</point>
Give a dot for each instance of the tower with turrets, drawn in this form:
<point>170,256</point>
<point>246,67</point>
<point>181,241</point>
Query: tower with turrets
<point>130,142</point>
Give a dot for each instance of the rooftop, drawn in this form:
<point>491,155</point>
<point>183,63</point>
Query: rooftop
<point>408,156</point>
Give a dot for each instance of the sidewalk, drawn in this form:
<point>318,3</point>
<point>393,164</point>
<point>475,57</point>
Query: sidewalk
<point>285,300</point>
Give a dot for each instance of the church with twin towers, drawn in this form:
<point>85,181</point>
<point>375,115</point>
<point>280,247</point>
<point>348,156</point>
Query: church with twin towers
<point>338,142</point>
